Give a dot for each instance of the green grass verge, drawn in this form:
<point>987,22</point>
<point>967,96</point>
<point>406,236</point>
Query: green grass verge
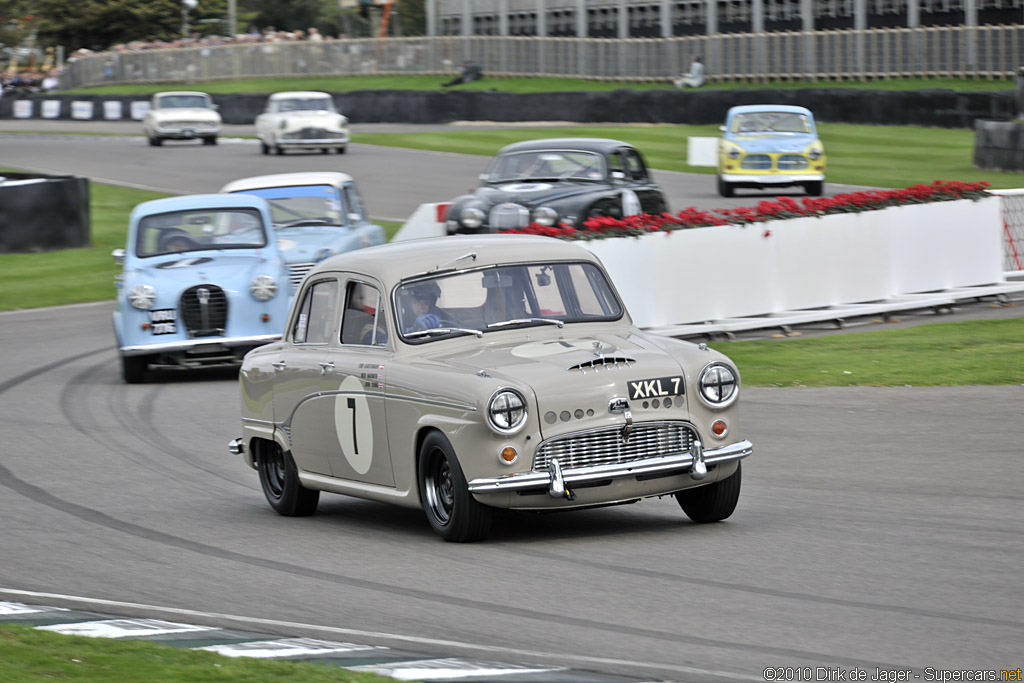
<point>875,156</point>
<point>983,352</point>
<point>525,85</point>
<point>28,654</point>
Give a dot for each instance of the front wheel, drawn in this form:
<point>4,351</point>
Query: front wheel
<point>452,511</point>
<point>814,188</point>
<point>341,150</point>
<point>724,188</point>
<point>264,148</point>
<point>133,368</point>
<point>280,480</point>
<point>210,141</point>
<point>714,502</point>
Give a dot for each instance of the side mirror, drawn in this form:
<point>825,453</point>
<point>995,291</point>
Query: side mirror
<point>118,255</point>
<point>354,217</point>
<point>215,107</point>
<point>721,128</point>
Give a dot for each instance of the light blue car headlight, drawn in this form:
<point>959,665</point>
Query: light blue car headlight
<point>142,297</point>
<point>263,287</point>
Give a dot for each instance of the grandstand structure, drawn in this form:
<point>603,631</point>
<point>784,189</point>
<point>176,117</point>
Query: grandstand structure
<point>669,18</point>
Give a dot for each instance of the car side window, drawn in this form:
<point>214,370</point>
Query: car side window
<point>635,165</point>
<point>353,202</point>
<point>364,322</point>
<point>315,322</point>
<point>614,164</point>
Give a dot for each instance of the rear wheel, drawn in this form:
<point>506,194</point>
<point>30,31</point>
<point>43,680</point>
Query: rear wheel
<point>815,188</point>
<point>714,502</point>
<point>210,141</point>
<point>280,480</point>
<point>724,188</point>
<point>451,509</point>
<point>133,368</point>
<point>155,141</point>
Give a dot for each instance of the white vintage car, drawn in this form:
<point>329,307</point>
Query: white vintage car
<point>181,115</point>
<point>471,373</point>
<point>306,120</point>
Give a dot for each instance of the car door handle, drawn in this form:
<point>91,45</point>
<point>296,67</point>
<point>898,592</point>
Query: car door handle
<point>324,367</point>
<point>280,365</point>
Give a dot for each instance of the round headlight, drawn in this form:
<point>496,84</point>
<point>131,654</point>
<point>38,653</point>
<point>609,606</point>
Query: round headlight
<point>506,411</point>
<point>815,153</point>
<point>718,385</point>
<point>142,297</point>
<point>263,287</point>
<point>472,217</point>
<point>544,215</point>
<point>733,153</point>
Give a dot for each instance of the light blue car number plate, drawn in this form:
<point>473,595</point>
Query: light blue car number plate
<point>164,321</point>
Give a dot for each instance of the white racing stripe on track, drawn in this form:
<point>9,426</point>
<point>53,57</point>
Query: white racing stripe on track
<point>125,628</point>
<point>490,650</point>
<point>287,647</point>
<point>446,669</point>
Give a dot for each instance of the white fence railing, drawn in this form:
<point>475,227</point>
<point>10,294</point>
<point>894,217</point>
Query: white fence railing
<point>945,51</point>
<point>1012,212</point>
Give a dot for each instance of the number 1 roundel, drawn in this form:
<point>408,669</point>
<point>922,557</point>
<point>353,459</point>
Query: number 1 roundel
<point>353,424</point>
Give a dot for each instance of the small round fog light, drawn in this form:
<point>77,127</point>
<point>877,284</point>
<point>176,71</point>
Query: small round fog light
<point>508,455</point>
<point>719,428</point>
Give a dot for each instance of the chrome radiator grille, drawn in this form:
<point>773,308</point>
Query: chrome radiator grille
<point>605,445</point>
<point>504,216</point>
<point>204,310</point>
<point>792,162</point>
<point>756,162</point>
<point>297,273</point>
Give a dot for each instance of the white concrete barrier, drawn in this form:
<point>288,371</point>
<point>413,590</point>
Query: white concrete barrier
<point>798,270</point>
<point>702,151</point>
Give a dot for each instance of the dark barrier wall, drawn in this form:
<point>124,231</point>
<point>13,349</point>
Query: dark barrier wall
<point>41,216</point>
<point>938,108</point>
<point>999,145</point>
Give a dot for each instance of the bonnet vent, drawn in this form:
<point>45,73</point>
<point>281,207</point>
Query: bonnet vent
<point>603,363</point>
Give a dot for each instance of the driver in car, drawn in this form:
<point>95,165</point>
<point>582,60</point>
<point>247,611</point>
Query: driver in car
<point>423,305</point>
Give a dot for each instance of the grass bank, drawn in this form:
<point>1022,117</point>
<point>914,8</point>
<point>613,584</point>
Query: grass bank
<point>937,354</point>
<point>28,654</point>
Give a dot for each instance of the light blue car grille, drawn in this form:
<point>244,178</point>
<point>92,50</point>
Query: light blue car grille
<point>792,162</point>
<point>756,162</point>
<point>297,273</point>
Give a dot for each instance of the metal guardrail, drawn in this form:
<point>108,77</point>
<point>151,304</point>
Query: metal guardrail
<point>947,51</point>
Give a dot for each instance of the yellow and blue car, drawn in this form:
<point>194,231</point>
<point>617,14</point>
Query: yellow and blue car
<point>768,146</point>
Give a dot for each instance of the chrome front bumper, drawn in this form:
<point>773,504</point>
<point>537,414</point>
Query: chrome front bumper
<point>197,344</point>
<point>773,178</point>
<point>559,481</point>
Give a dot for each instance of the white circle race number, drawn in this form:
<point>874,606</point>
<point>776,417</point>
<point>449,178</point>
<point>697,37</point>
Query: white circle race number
<point>354,425</point>
<point>526,187</point>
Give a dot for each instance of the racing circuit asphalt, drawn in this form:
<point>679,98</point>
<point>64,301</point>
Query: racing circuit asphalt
<point>877,527</point>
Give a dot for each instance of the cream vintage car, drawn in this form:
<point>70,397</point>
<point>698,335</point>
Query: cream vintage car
<point>181,115</point>
<point>305,120</point>
<point>468,374</point>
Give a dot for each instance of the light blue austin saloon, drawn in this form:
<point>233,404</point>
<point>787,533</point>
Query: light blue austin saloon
<point>202,283</point>
<point>316,214</point>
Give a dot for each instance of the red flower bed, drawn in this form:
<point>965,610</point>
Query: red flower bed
<point>780,208</point>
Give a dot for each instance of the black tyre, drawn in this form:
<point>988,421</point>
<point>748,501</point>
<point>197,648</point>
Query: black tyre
<point>156,142</point>
<point>815,188</point>
<point>280,480</point>
<point>210,141</point>
<point>133,368</point>
<point>341,150</point>
<point>714,502</point>
<point>451,510</point>
<point>724,188</point>
<point>264,148</point>
<point>279,150</point>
